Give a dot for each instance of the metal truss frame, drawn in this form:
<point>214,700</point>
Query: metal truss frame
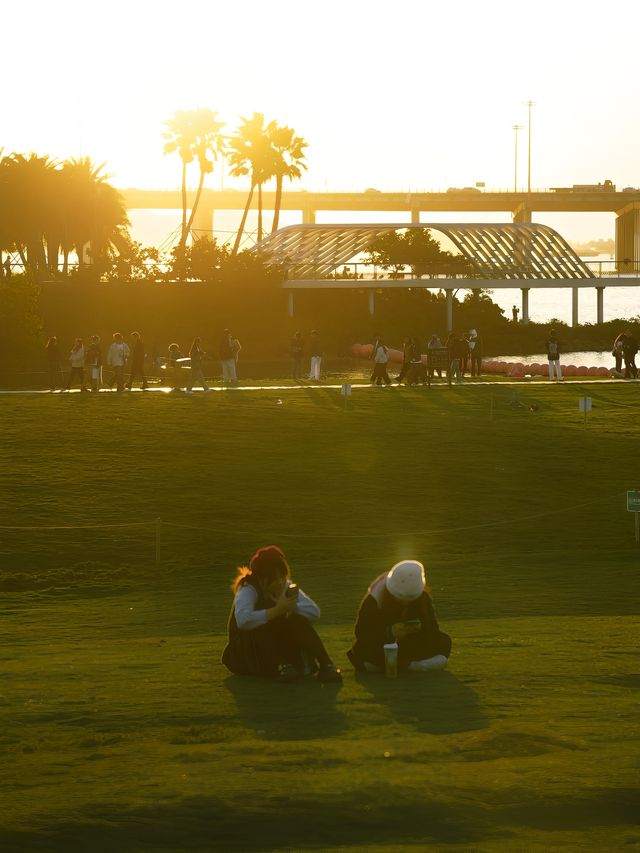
<point>493,250</point>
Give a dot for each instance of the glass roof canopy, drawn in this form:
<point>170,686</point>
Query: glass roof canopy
<point>506,251</point>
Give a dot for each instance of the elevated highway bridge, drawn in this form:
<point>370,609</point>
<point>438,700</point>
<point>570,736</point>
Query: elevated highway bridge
<point>521,205</point>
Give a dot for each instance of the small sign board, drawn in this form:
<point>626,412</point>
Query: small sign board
<point>585,404</point>
<point>346,390</point>
<point>633,500</point>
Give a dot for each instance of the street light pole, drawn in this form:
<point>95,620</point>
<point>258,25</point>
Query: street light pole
<point>516,127</point>
<point>529,104</point>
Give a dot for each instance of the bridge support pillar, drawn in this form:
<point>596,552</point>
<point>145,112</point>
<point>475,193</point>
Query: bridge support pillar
<point>308,216</point>
<point>372,302</point>
<point>522,215</point>
<point>628,236</point>
<point>449,310</point>
<point>415,217</point>
<point>599,304</point>
<point>202,228</point>
<point>290,303</point>
<point>525,304</point>
<point>574,306</point>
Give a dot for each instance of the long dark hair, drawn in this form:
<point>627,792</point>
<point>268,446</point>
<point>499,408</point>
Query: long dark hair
<point>267,564</point>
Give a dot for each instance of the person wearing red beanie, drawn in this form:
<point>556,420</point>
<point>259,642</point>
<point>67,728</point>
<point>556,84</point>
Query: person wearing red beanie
<point>270,624</point>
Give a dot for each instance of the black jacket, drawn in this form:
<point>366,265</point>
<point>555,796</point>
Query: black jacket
<point>378,612</point>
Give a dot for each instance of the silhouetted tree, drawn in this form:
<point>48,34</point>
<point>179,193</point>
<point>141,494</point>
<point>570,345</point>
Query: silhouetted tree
<point>289,151</point>
<point>251,153</point>
<point>194,134</point>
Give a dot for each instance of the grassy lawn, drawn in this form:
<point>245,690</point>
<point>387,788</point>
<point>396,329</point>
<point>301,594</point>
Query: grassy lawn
<point>120,729</point>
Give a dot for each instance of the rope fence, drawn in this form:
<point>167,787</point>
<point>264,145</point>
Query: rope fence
<point>153,545</point>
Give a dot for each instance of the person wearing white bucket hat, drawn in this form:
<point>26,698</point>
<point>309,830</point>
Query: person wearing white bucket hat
<point>398,608</point>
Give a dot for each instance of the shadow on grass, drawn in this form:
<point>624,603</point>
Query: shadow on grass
<point>433,702</point>
<point>305,710</point>
<point>372,815</point>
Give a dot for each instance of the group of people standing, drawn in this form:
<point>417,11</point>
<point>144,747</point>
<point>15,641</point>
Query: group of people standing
<point>86,363</point>
<point>463,353</point>
<point>625,348</point>
<point>271,632</point>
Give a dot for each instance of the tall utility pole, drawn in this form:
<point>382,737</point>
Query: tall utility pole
<point>516,127</point>
<point>529,104</point>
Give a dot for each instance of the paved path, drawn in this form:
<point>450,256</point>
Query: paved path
<point>311,385</point>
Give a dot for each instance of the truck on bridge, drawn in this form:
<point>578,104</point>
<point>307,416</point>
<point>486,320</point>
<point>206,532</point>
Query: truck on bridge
<point>604,187</point>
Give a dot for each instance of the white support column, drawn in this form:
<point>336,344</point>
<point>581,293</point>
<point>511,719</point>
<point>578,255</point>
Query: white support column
<point>522,215</point>
<point>599,304</point>
<point>202,228</point>
<point>308,216</point>
<point>372,302</point>
<point>525,304</point>
<point>290,303</point>
<point>415,217</point>
<point>574,306</point>
<point>449,310</point>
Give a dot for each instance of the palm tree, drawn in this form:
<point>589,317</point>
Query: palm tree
<point>251,153</point>
<point>194,134</point>
<point>92,211</point>
<point>289,150</point>
<point>28,202</point>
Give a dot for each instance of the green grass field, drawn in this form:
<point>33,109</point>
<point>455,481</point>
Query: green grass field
<point>121,731</point>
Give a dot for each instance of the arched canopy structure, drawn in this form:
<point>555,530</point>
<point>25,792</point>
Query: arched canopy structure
<point>492,251</point>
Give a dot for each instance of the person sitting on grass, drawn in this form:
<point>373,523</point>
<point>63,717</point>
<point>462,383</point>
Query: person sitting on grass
<point>270,630</point>
<point>398,607</point>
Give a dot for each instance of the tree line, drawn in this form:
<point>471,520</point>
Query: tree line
<point>50,209</point>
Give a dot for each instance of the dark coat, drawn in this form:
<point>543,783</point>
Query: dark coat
<point>137,356</point>
<point>553,355</point>
<point>378,612</point>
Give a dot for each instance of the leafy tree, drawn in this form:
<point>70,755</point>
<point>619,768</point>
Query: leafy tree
<point>289,160</point>
<point>138,263</point>
<point>415,248</point>
<point>20,324</point>
<point>204,260</point>
<point>194,134</point>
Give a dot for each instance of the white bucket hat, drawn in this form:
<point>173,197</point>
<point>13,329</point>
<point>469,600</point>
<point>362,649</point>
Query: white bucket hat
<point>406,580</point>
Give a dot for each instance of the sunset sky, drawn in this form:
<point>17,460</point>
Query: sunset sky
<point>404,95</point>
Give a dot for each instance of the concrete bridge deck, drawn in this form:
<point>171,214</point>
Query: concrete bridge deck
<point>450,285</point>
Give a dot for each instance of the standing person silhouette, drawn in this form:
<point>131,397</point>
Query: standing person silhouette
<point>316,354</point>
<point>94,363</point>
<point>297,351</point>
<point>117,358</point>
<point>137,361</point>
<point>553,356</point>
<point>228,356</point>
<point>76,360</point>
<point>53,363</point>
<point>197,356</point>
<point>380,360</point>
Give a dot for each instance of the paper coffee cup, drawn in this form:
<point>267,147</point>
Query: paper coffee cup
<point>391,659</point>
